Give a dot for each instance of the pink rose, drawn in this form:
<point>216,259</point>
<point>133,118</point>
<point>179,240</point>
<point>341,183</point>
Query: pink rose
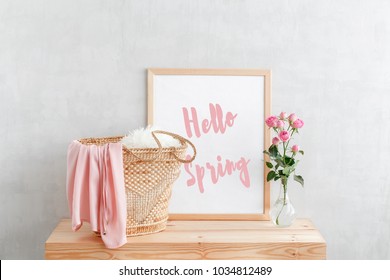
<point>283,115</point>
<point>280,124</point>
<point>292,117</point>
<point>271,121</point>
<point>275,141</point>
<point>298,123</point>
<point>295,149</point>
<point>284,135</point>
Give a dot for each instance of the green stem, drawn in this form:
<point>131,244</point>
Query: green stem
<point>284,200</point>
<point>285,145</point>
<point>288,142</point>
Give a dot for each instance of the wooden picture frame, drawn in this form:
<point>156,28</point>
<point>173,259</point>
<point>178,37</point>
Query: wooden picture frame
<point>222,111</point>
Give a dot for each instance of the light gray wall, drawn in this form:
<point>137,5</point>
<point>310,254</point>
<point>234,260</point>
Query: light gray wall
<point>72,69</point>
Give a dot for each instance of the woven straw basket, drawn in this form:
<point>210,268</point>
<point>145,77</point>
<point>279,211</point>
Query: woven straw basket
<point>149,174</point>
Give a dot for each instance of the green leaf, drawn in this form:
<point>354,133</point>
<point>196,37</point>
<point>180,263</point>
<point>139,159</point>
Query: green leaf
<point>289,161</point>
<point>302,152</point>
<point>299,179</point>
<point>280,162</point>
<point>277,177</point>
<point>273,150</point>
<point>265,152</point>
<point>271,175</point>
<point>288,170</point>
<point>277,166</point>
<point>269,165</point>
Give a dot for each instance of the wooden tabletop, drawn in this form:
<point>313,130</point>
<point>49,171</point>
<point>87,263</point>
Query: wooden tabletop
<point>195,240</point>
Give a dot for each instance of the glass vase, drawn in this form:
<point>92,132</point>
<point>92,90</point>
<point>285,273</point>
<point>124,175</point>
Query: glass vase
<point>282,213</point>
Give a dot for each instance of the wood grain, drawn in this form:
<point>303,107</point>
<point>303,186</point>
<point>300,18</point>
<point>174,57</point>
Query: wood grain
<point>209,72</point>
<point>196,240</point>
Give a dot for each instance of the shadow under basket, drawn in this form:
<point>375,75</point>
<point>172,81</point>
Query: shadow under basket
<point>149,174</point>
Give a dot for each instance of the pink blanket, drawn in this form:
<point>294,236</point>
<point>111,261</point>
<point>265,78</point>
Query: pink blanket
<point>96,191</point>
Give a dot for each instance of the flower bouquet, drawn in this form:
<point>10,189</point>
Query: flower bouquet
<point>283,162</point>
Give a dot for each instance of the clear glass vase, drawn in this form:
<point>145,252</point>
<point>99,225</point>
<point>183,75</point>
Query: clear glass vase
<point>282,213</point>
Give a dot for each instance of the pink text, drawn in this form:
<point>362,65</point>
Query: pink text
<point>216,121</point>
<point>217,172</point>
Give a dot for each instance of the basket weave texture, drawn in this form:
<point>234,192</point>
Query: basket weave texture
<point>149,174</point>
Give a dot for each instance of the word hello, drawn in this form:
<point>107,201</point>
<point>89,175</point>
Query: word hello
<point>197,172</point>
<point>216,122</point>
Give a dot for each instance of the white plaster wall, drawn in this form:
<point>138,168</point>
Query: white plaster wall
<point>71,69</point>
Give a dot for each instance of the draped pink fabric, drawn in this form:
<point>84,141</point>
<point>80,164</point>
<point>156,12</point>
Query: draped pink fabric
<point>96,191</point>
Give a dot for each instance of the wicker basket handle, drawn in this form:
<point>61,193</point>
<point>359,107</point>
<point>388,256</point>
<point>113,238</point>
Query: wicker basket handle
<point>181,139</point>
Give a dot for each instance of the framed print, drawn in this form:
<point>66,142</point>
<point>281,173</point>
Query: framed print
<point>221,111</point>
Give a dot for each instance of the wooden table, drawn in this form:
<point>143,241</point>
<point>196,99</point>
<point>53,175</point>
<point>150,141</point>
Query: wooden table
<point>196,240</point>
